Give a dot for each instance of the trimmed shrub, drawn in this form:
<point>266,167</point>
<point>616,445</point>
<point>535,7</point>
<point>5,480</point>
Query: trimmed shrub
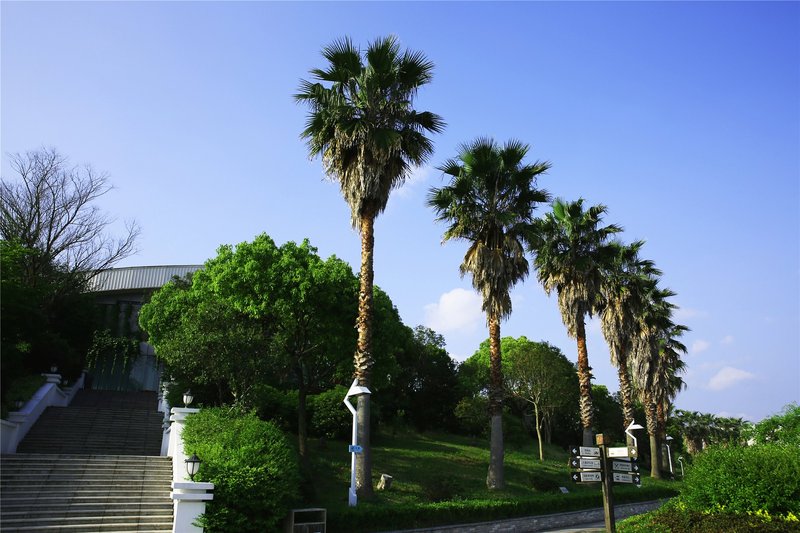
<point>252,465</point>
<point>745,479</point>
<point>370,516</point>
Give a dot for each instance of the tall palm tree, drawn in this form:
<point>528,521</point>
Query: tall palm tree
<point>572,253</point>
<point>624,290</point>
<point>489,203</point>
<point>657,362</point>
<point>363,124</point>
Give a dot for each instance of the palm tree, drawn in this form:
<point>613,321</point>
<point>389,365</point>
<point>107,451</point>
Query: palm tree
<point>623,293</point>
<point>363,125</point>
<point>489,203</point>
<point>572,254</point>
<point>657,362</point>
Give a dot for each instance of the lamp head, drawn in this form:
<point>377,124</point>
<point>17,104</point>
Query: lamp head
<point>193,465</point>
<point>187,398</point>
<point>357,390</point>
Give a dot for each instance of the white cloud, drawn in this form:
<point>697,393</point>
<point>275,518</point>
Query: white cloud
<point>417,178</point>
<point>700,346</point>
<point>728,377</point>
<point>684,313</point>
<point>457,310</point>
<point>727,339</point>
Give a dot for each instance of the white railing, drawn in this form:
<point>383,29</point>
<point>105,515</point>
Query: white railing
<point>189,497</point>
<point>20,422</point>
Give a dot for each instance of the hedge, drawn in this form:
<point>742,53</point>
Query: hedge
<point>252,465</point>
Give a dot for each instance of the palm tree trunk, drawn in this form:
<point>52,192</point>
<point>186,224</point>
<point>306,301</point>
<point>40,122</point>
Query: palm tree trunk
<point>652,430</point>
<point>363,356</point>
<point>585,385</point>
<point>495,479</point>
<point>625,393</point>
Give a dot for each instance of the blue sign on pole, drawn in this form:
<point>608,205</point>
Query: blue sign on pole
<point>354,448</point>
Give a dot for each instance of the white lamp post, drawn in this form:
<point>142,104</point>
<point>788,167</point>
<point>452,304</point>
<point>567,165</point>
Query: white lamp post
<point>669,455</point>
<point>355,390</point>
<point>187,398</point>
<point>680,462</point>
<point>629,432</point>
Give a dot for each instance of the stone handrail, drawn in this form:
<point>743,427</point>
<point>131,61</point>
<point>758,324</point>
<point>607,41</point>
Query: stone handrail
<point>20,422</point>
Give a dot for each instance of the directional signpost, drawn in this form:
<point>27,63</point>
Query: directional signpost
<point>606,465</point>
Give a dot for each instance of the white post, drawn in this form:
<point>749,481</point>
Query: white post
<point>669,455</point>
<point>189,497</point>
<point>175,449</point>
<point>189,503</point>
<point>355,390</point>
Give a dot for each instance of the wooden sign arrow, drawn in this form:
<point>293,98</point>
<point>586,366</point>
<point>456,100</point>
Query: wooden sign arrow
<point>584,451</point>
<point>586,477</point>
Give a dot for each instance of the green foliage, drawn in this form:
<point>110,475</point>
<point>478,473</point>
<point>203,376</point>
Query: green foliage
<point>277,406</point>
<point>440,488</point>
<point>22,388</point>
<point>674,517</point>
<point>783,427</point>
<point>330,418</point>
<point>745,479</point>
<point>45,319</point>
<point>252,465</point>
<point>472,414</point>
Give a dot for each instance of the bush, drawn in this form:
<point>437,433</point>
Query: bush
<point>441,488</point>
<point>674,517</point>
<point>745,479</point>
<point>252,465</point>
<point>329,416</point>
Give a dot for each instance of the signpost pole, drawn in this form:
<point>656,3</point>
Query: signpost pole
<point>608,493</point>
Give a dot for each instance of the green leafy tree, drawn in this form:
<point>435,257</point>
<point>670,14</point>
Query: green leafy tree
<point>54,241</point>
<point>539,374</point>
<point>783,427</point>
<point>363,124</point>
<point>255,313</point>
<point>572,255</point>
<point>489,203</point>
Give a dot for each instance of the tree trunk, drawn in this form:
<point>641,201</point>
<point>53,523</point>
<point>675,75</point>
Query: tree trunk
<point>363,356</point>
<point>652,430</point>
<point>538,432</point>
<point>625,393</point>
<point>585,385</point>
<point>302,422</point>
<point>495,479</point>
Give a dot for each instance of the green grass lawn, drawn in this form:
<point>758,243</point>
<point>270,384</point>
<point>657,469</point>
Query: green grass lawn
<point>438,467</point>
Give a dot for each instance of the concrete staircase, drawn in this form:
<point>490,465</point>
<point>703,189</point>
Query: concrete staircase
<point>92,466</point>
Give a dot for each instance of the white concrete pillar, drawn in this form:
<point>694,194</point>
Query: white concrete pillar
<point>189,502</point>
<point>175,450</point>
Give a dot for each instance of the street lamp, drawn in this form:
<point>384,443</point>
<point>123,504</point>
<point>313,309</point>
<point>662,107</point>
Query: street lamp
<point>669,456</point>
<point>354,391</point>
<point>187,398</point>
<point>680,462</point>
<point>192,465</point>
<point>629,432</point>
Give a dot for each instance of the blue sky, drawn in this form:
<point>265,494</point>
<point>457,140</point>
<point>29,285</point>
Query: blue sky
<point>682,118</point>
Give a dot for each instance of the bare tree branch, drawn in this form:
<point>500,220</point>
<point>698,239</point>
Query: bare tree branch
<point>49,208</point>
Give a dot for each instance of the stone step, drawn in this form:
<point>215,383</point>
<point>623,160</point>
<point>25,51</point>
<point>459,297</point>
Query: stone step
<point>15,498</point>
<point>110,523</point>
<point>120,511</point>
